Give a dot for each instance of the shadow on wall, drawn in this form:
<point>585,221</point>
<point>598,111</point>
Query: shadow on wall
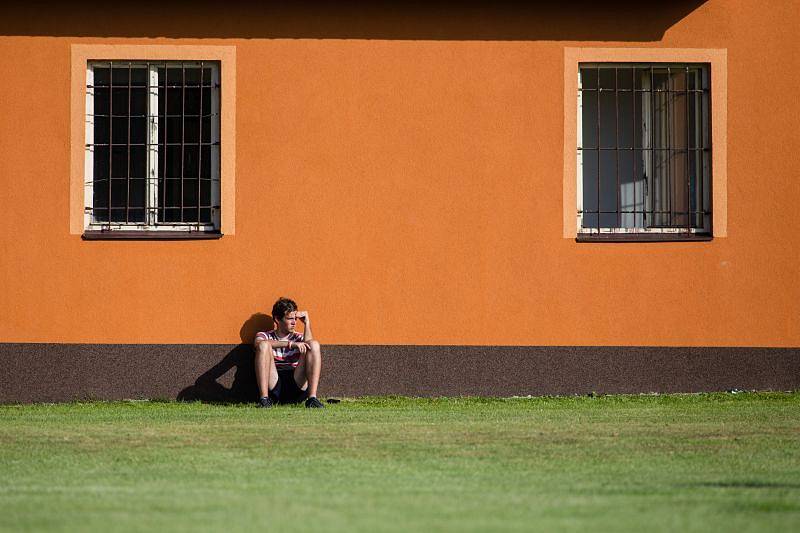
<point>207,387</point>
<point>501,20</point>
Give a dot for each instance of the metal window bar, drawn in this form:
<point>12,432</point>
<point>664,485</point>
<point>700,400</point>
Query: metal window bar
<point>661,192</point>
<point>701,143</point>
<point>128,152</point>
<point>200,150</point>
<point>652,169</point>
<point>598,150</point>
<point>705,129</point>
<point>688,174</point>
<point>183,132</point>
<point>633,142</point>
<point>162,186</point>
<point>668,162</point>
<point>697,143</point>
<point>616,141</point>
<point>152,217</point>
<point>110,137</point>
<point>215,158</point>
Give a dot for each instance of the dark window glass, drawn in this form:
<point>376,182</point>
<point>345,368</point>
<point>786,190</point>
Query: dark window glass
<point>589,118</point>
<point>139,102</point>
<point>589,165</point>
<point>139,130</point>
<point>625,78</point>
<point>119,76</point>
<point>139,77</point>
<point>191,131</point>
<point>183,151</point>
<point>649,171</point>
<point>101,77</point>
<point>101,133</point>
<point>205,161</point>
<point>607,80</point>
<point>138,162</point>
<point>119,104</point>
<point>119,161</point>
<point>119,130</point>
<point>191,161</point>
<point>173,129</point>
<point>101,101</point>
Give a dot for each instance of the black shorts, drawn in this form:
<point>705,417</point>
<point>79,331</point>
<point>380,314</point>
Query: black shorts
<point>286,389</point>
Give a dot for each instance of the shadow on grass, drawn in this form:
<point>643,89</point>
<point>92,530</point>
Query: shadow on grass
<point>743,485</point>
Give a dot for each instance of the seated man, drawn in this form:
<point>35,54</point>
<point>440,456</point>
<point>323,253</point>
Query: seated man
<point>288,364</point>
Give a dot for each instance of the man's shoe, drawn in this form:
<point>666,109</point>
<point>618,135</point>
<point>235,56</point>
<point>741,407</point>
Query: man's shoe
<point>265,402</point>
<point>313,403</point>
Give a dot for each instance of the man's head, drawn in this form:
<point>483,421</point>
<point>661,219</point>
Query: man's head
<point>283,313</point>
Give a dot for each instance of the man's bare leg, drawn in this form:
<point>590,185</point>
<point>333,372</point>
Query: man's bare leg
<point>307,373</point>
<point>266,373</point>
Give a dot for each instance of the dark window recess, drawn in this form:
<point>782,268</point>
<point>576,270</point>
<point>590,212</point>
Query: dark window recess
<point>644,150</point>
<point>185,110</point>
<point>186,143</point>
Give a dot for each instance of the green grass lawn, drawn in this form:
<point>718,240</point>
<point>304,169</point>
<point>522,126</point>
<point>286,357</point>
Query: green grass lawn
<point>676,462</point>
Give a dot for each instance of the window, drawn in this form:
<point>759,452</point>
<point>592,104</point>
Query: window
<point>152,152</point>
<point>644,151</point>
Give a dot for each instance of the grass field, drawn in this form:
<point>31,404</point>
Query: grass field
<point>612,463</point>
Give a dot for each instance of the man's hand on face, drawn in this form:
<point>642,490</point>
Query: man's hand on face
<point>302,316</point>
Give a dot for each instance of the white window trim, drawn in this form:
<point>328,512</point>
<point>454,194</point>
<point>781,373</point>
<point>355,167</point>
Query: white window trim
<point>717,58</point>
<point>150,225</point>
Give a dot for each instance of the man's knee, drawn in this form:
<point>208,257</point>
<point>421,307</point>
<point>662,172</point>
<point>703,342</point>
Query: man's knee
<point>263,348</point>
<point>314,345</point>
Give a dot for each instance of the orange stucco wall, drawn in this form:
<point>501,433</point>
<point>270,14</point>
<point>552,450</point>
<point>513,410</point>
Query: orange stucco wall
<point>409,191</point>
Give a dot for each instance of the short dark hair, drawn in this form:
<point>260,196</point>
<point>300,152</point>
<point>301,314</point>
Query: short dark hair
<point>283,306</point>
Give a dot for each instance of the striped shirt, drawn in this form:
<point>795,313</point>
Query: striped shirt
<point>285,359</point>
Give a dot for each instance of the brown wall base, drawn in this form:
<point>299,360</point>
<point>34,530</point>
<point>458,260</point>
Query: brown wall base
<point>213,372</point>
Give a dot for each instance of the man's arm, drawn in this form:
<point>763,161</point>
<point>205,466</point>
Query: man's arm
<point>306,320</point>
<point>272,344</point>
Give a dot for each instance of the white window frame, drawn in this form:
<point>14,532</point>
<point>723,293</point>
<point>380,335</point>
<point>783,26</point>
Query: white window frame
<point>151,194</point>
<point>705,117</point>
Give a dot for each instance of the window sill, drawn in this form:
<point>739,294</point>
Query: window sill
<point>149,235</point>
<point>643,237</point>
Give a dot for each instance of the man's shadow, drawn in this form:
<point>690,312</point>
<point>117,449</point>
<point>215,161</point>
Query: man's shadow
<point>244,388</point>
